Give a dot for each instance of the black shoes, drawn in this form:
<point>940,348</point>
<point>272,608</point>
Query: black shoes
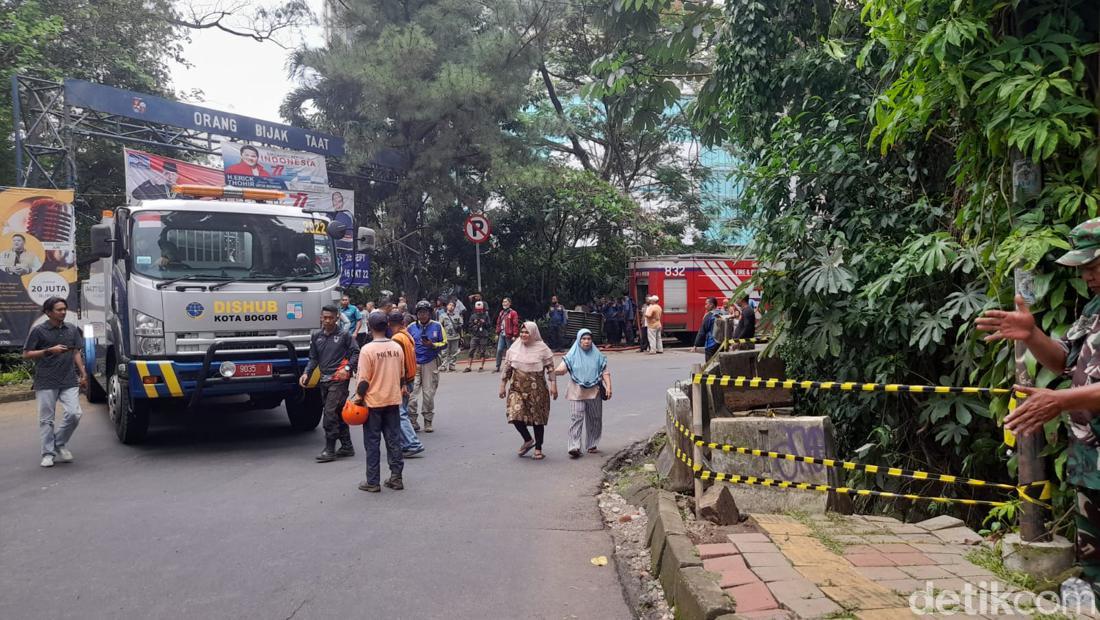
<point>345,451</point>
<point>394,483</point>
<point>327,456</point>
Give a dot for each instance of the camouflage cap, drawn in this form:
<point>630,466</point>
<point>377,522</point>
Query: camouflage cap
<point>1085,239</point>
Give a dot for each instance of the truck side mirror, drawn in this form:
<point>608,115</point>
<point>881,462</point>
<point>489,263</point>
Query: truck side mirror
<point>366,238</point>
<point>337,229</point>
<point>102,243</point>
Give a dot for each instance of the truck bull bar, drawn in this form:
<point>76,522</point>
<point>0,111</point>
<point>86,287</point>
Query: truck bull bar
<point>208,360</point>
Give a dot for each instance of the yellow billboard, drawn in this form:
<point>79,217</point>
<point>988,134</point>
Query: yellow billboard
<point>37,256</point>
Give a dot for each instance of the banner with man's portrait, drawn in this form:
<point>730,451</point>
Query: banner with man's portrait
<point>151,177</point>
<point>249,165</point>
<point>37,257</point>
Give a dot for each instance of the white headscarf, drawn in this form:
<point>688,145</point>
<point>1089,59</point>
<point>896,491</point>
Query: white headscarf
<point>532,357</point>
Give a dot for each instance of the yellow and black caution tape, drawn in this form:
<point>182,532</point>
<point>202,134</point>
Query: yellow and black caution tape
<point>845,386</point>
<point>852,386</point>
<point>746,341</point>
<point>705,474</point>
<point>833,463</point>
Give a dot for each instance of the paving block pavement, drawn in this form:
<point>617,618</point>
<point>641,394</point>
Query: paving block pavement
<point>843,566</point>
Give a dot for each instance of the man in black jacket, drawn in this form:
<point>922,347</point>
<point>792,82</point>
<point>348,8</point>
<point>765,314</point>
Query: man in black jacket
<point>746,326</point>
<point>335,354</point>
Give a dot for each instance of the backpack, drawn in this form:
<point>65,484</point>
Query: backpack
<point>714,334</point>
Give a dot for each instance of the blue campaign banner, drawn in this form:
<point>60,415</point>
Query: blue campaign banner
<point>354,269</point>
<point>155,109</point>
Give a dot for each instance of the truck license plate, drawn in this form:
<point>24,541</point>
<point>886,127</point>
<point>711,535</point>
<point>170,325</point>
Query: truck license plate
<point>253,370</point>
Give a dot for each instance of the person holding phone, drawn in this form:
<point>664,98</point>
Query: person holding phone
<point>430,340</point>
<point>57,349</point>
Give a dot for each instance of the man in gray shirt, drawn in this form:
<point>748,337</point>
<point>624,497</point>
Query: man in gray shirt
<point>335,354</point>
<point>57,349</point>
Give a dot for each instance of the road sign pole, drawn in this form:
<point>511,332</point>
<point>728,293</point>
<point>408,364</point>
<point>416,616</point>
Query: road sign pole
<point>477,255</point>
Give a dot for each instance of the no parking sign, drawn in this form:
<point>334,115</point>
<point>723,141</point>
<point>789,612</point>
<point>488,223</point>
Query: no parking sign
<point>477,228</point>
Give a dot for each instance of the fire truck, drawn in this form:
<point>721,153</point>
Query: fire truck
<point>683,282</point>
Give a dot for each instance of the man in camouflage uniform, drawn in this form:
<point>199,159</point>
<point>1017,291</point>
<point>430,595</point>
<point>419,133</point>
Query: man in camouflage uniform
<point>1077,355</point>
<point>479,327</point>
<point>452,326</point>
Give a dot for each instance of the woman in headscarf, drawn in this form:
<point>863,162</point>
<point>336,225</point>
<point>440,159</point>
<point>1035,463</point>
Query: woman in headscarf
<point>529,365</point>
<point>587,370</point>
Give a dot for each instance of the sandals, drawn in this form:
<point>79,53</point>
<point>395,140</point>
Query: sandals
<point>526,447</point>
<point>593,451</point>
<point>575,453</point>
<point>538,455</point>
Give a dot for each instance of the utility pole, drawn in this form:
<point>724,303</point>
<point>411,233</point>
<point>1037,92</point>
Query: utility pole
<point>1026,184</point>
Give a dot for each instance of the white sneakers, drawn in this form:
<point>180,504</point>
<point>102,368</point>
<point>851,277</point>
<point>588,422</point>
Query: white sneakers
<point>63,456</point>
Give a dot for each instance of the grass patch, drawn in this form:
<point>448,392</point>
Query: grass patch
<point>821,531</point>
<point>656,442</point>
<point>14,369</point>
<point>629,476</point>
<point>990,559</point>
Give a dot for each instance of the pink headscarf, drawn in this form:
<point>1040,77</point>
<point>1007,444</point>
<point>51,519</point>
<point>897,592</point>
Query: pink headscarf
<point>532,357</point>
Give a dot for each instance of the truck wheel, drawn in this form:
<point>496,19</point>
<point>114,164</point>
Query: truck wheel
<point>304,409</point>
<point>96,394</point>
<point>131,417</point>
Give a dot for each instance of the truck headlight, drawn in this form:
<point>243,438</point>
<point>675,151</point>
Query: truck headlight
<point>227,369</point>
<point>145,325</point>
<point>151,345</point>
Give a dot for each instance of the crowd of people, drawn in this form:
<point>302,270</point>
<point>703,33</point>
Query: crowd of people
<point>388,360</point>
<point>395,362</point>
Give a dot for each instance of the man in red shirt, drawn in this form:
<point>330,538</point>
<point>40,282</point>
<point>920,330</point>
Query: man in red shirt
<point>249,165</point>
<point>507,328</point>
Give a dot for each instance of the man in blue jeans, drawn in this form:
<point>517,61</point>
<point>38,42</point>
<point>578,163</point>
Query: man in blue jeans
<point>57,349</point>
<point>507,328</point>
<point>410,443</point>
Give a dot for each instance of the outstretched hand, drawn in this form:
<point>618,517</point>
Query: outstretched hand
<point>1040,406</point>
<point>1018,324</point>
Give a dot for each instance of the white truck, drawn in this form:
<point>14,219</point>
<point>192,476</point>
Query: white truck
<point>191,299</point>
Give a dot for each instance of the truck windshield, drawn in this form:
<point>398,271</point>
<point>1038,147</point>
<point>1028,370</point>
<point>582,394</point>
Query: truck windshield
<point>242,246</point>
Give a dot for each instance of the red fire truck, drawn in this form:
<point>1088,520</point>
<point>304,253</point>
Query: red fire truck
<point>683,282</point>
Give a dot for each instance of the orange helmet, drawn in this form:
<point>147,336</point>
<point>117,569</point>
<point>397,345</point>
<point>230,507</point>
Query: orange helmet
<point>353,414</point>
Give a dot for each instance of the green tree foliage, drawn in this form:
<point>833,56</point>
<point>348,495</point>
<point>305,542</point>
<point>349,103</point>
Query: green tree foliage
<point>634,142</point>
<point>558,231</point>
<point>435,82</point>
<point>879,142</point>
<point>25,30</point>
<point>112,42</point>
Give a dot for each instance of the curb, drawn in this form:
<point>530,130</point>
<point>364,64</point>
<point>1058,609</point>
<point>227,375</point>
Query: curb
<point>693,591</point>
<point>16,397</point>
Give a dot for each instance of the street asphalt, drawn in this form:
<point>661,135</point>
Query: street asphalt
<point>224,514</point>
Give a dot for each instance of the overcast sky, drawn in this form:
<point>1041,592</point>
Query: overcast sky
<point>241,75</point>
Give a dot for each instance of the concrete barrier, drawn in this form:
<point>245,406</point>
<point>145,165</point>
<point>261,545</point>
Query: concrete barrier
<point>748,364</point>
<point>802,435</point>
<point>674,474</point>
<point>676,564</point>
